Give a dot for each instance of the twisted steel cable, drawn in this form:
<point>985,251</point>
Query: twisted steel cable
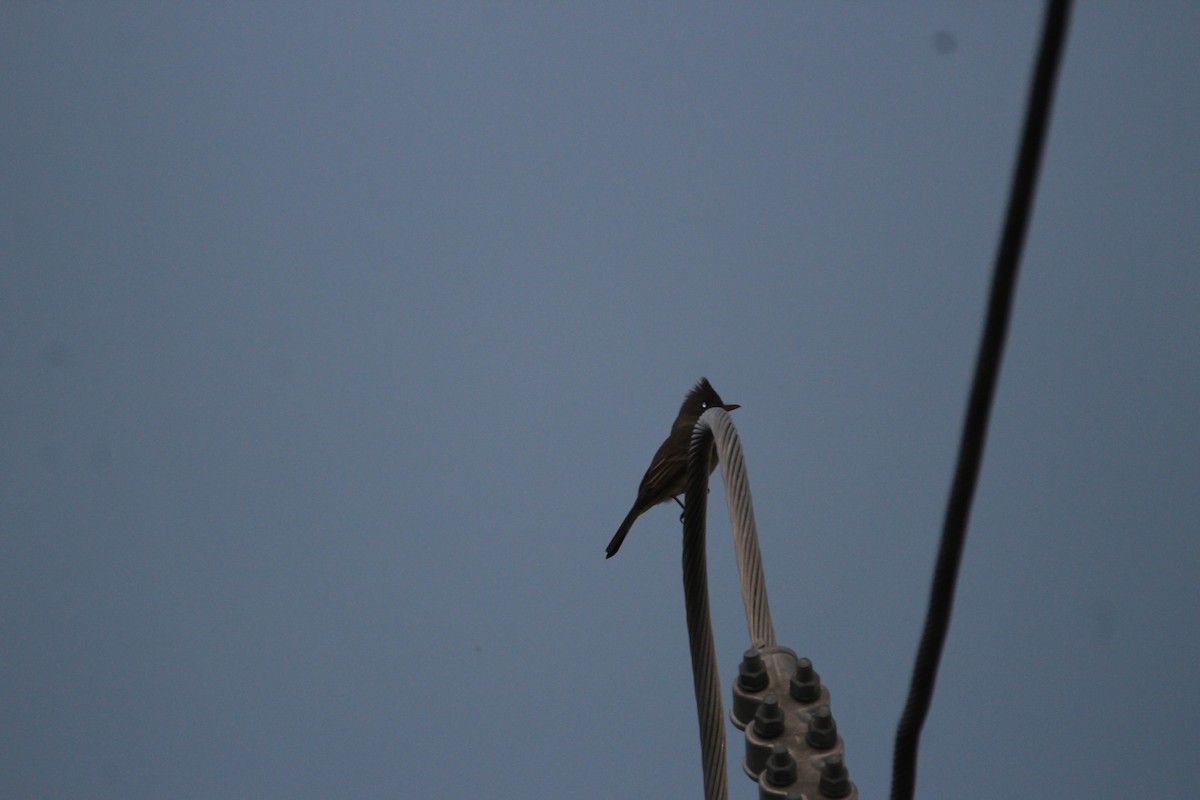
<point>699,623</point>
<point>715,424</point>
<point>745,532</point>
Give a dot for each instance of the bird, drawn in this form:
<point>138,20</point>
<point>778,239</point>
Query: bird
<point>665,478</point>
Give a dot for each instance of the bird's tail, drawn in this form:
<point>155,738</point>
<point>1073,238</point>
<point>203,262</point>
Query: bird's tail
<point>622,531</point>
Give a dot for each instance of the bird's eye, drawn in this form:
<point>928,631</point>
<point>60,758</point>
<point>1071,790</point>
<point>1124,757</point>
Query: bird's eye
<point>704,404</point>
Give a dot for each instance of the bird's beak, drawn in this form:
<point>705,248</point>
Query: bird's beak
<point>731,406</point>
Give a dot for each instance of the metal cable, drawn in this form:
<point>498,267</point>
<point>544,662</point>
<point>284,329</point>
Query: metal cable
<point>715,424</point>
<point>745,533</point>
<point>987,368</point>
<point>700,636</point>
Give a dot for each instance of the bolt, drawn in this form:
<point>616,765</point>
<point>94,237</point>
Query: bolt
<point>822,730</point>
<point>768,719</point>
<point>781,767</point>
<point>752,672</point>
<point>805,686</point>
<point>835,779</point>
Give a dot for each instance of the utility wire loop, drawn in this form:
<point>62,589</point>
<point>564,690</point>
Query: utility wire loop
<point>715,431</point>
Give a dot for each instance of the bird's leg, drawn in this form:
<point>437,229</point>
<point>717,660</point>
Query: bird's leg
<point>683,511</point>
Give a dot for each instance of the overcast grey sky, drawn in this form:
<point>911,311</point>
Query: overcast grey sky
<point>336,338</point>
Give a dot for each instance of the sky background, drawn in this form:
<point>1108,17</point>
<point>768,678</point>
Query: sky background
<point>336,338</point>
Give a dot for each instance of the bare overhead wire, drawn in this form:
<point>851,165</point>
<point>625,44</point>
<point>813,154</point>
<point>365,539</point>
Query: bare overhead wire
<point>974,435</point>
<point>699,623</point>
<point>745,531</point>
<point>715,429</point>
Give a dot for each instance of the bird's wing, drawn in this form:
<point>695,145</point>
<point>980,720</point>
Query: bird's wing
<point>664,477</point>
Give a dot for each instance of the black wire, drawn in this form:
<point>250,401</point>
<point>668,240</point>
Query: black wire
<point>974,434</point>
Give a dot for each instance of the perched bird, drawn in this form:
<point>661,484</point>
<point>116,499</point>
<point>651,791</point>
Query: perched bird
<point>667,474</point>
